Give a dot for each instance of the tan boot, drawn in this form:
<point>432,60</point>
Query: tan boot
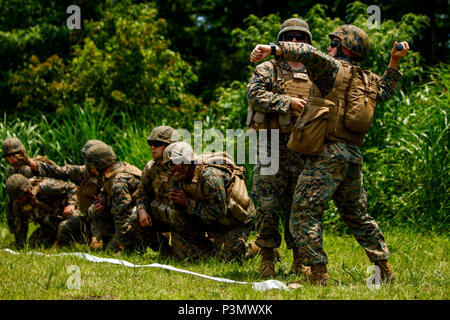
<point>96,244</point>
<point>253,250</point>
<point>298,266</point>
<point>319,275</point>
<point>387,275</point>
<point>267,268</point>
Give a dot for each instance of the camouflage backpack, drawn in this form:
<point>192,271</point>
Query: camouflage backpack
<point>124,167</point>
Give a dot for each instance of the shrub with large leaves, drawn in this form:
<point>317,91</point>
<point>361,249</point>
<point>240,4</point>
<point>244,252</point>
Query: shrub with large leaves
<point>123,63</point>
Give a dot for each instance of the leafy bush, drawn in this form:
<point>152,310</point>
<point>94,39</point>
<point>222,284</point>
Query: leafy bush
<point>123,63</point>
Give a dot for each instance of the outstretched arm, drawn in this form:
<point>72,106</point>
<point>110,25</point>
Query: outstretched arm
<point>322,69</point>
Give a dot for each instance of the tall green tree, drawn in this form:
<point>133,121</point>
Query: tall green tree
<point>38,28</point>
<point>123,63</point>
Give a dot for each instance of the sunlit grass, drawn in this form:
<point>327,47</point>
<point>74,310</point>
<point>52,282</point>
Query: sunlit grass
<point>421,263</point>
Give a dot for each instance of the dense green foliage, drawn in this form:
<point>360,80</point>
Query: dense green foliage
<point>381,40</point>
<point>123,64</point>
<point>407,155</point>
<point>138,64</point>
<point>202,30</point>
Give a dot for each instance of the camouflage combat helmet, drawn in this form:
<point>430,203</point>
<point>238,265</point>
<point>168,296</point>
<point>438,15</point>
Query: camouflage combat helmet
<point>295,24</point>
<point>12,145</point>
<point>16,186</point>
<point>179,152</point>
<point>100,156</point>
<point>89,144</point>
<point>164,134</point>
<point>352,38</point>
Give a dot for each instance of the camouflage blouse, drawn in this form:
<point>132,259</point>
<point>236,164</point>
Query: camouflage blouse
<point>261,85</point>
<point>155,184</point>
<point>322,70</point>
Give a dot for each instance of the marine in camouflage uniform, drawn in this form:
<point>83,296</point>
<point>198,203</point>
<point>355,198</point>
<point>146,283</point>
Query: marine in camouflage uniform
<point>202,192</point>
<point>272,89</point>
<point>154,214</point>
<point>114,205</point>
<point>88,187</point>
<point>18,163</point>
<point>335,173</point>
<point>47,202</point>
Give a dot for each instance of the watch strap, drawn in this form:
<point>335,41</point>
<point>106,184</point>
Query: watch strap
<point>273,49</point>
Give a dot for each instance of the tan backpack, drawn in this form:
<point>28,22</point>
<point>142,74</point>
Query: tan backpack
<point>361,100</point>
<point>124,167</point>
<point>347,121</point>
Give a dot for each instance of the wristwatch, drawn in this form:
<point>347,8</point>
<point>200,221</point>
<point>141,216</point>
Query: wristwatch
<point>273,49</point>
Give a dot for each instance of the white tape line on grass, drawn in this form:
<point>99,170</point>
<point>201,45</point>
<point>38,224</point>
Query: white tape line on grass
<point>260,286</point>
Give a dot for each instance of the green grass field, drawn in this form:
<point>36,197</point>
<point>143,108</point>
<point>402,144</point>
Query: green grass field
<point>421,263</point>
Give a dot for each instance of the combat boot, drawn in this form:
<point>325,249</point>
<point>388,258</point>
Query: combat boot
<point>298,266</point>
<point>319,275</point>
<point>165,250</point>
<point>55,245</point>
<point>387,275</point>
<point>252,250</point>
<point>96,243</point>
<point>267,268</point>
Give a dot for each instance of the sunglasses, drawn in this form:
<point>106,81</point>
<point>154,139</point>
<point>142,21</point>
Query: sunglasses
<point>11,154</point>
<point>156,144</point>
<point>171,164</point>
<point>297,36</point>
<point>334,43</point>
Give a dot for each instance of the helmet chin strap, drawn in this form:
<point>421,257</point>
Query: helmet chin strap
<point>339,52</point>
<point>101,171</point>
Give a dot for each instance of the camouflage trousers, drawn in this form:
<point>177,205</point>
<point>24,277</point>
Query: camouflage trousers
<point>225,243</point>
<point>73,229</point>
<point>44,236</point>
<point>322,179</point>
<point>60,231</point>
<point>188,237</point>
<point>10,216</point>
<point>103,227</point>
<point>273,194</point>
<point>19,231</point>
<point>153,236</point>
